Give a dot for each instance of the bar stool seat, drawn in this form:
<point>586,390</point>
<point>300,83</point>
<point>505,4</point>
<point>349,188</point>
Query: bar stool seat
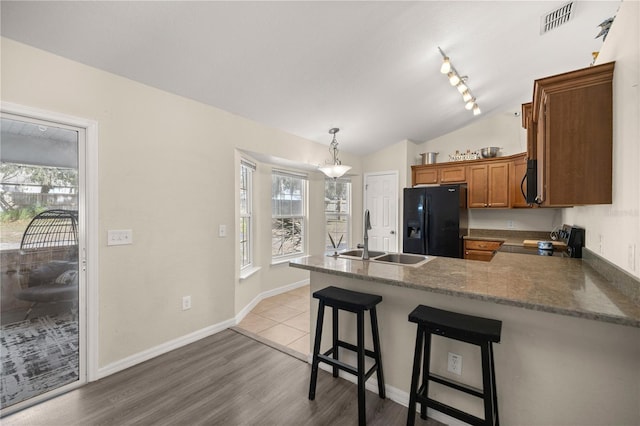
<point>479,331</point>
<point>358,303</point>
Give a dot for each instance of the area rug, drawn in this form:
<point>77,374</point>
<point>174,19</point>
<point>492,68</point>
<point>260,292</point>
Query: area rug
<point>38,355</point>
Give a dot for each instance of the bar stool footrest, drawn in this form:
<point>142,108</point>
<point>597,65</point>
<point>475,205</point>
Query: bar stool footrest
<point>451,411</point>
<point>457,385</point>
<point>324,357</point>
<point>354,348</point>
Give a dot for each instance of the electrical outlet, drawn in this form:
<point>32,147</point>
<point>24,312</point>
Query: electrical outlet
<point>454,364</point>
<point>601,243</point>
<point>510,224</point>
<point>222,231</point>
<point>186,303</point>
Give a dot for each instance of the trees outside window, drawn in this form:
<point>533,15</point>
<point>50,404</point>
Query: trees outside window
<point>337,211</point>
<point>288,193</point>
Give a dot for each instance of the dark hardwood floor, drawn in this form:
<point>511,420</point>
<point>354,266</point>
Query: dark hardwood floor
<point>225,379</point>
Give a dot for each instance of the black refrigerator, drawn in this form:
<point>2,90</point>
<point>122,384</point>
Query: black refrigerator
<point>435,220</point>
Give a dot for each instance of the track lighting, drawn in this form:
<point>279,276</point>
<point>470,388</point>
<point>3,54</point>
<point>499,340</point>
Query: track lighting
<point>459,83</point>
<point>446,66</point>
<point>453,78</point>
<point>470,104</point>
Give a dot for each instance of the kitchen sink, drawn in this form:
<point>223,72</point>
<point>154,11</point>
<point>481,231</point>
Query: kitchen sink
<point>404,259</point>
<point>358,253</point>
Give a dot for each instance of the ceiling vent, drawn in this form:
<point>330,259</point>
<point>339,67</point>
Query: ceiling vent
<point>556,17</point>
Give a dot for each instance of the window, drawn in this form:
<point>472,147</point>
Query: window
<point>287,214</point>
<point>337,211</point>
<point>246,184</point>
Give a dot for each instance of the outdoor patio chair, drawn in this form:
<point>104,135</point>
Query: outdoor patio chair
<point>49,259</point>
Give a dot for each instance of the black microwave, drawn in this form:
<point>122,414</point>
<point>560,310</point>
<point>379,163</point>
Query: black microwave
<point>531,177</point>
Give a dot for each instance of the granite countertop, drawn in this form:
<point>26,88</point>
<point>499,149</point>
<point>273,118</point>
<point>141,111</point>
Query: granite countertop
<point>559,285</point>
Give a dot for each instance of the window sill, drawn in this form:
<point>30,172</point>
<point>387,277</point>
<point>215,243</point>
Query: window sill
<point>285,260</point>
<point>247,272</point>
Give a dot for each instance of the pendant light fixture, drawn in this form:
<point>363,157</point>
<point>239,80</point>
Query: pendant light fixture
<point>334,168</point>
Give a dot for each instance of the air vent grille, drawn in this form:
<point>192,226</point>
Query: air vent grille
<point>556,17</point>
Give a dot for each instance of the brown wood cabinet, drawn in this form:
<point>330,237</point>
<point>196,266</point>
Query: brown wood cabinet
<point>529,125</point>
<point>492,182</point>
<point>572,117</point>
<point>434,174</point>
<point>480,249</point>
<point>489,185</point>
<point>453,174</point>
<point>425,175</point>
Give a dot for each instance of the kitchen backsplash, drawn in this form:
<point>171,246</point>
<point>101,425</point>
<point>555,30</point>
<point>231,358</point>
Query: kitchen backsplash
<point>515,219</point>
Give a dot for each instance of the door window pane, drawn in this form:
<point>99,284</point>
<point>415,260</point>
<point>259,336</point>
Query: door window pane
<point>39,239</point>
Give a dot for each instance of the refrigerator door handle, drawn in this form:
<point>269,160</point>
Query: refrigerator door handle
<point>425,231</point>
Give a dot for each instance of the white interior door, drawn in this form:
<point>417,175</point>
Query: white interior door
<point>381,198</point>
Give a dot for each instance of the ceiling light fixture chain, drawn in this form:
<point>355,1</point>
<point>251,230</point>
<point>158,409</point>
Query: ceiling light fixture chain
<point>460,83</point>
<point>333,146</point>
<point>335,168</point>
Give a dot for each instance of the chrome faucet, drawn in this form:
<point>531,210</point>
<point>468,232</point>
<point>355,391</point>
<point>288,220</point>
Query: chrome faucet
<point>367,226</point>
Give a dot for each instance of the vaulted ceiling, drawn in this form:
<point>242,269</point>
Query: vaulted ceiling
<point>371,68</point>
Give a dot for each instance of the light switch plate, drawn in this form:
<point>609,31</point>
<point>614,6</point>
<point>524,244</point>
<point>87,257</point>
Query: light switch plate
<point>222,231</point>
<point>119,237</point>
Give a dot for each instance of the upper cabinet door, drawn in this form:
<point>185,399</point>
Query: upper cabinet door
<point>573,113</point>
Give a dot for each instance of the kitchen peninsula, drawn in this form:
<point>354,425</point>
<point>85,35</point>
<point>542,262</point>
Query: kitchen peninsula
<point>570,349</point>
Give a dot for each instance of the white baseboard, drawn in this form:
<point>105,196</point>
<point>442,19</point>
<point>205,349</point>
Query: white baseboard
<point>146,355</point>
<point>396,395</point>
<point>269,293</point>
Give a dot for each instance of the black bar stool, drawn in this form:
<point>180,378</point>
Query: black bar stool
<point>475,330</point>
<point>358,303</point>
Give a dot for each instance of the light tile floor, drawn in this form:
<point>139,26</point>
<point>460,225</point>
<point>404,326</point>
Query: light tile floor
<point>283,319</point>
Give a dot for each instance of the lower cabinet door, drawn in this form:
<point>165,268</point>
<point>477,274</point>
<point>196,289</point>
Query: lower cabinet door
<point>483,255</point>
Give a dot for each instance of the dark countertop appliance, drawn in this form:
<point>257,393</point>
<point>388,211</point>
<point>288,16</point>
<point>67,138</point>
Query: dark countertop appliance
<point>574,238</point>
<point>435,220</point>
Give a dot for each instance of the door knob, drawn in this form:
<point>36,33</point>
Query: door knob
<point>392,232</point>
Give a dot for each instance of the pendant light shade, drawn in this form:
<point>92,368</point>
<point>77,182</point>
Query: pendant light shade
<point>334,168</point>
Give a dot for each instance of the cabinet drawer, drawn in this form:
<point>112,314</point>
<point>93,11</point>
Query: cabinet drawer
<point>482,245</point>
<point>453,174</point>
<point>485,256</point>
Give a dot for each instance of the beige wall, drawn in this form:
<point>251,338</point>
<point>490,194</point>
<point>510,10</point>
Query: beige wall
<point>614,230</point>
<point>167,170</point>
<point>503,130</point>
